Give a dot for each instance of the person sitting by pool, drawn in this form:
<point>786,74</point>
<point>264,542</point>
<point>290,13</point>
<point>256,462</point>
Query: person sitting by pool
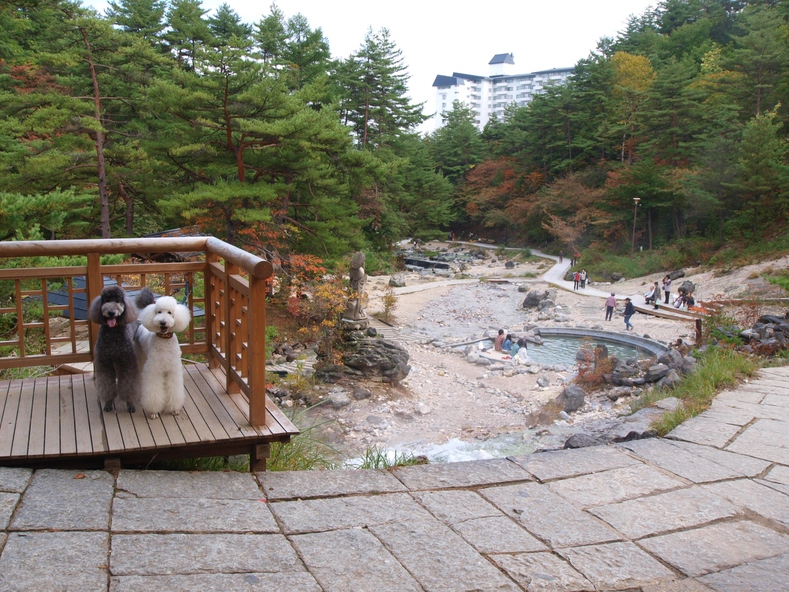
<point>499,341</point>
<point>507,344</point>
<point>514,348</point>
<point>523,351</point>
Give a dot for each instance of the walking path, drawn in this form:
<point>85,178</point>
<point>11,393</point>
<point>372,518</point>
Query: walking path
<point>705,509</point>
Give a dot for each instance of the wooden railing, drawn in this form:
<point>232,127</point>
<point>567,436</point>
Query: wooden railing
<point>227,283</point>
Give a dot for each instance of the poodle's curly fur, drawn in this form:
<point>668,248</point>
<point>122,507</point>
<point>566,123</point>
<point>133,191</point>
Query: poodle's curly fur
<point>115,368</point>
<point>160,354</point>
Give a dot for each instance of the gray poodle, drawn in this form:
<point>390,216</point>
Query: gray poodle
<point>115,365</point>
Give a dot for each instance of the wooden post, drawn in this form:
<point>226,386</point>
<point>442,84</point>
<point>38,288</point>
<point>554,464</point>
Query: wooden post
<point>209,289</point>
<point>257,351</point>
<point>258,457</point>
<point>698,333</point>
<point>94,284</point>
<point>231,336</point>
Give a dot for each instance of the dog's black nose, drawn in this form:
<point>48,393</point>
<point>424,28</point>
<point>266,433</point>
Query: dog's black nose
<point>110,313</point>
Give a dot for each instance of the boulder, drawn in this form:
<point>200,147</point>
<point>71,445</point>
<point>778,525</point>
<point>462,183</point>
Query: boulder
<point>523,288</point>
<point>584,355</point>
<point>571,398</point>
<point>670,380</point>
<point>360,393</point>
<point>636,426</point>
<point>582,440</point>
<point>533,299</point>
<point>339,399</point>
<point>374,359</point>
<point>397,280</point>
<point>543,381</point>
<point>688,286</point>
<point>546,305</point>
<point>509,265</point>
<point>656,372</point>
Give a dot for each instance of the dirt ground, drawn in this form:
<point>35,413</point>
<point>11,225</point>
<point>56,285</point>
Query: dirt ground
<point>446,404</point>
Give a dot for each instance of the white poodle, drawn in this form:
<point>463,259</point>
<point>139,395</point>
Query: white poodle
<point>162,384</point>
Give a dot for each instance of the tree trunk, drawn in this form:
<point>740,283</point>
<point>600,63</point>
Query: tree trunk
<point>104,195</point>
<point>649,226</point>
<point>129,209</point>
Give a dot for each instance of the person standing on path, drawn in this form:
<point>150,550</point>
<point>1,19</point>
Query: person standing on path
<point>576,280</point>
<point>666,288</point>
<point>583,278</point>
<point>630,310</point>
<point>561,256</point>
<point>610,304</point>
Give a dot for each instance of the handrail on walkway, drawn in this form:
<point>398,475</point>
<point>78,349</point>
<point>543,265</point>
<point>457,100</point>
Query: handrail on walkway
<point>227,282</point>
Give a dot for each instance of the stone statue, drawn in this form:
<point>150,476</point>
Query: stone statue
<point>354,318</point>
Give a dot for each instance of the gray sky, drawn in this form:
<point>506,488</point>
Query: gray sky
<point>442,37</point>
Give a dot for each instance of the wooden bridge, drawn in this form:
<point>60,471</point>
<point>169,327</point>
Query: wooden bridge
<point>56,420</point>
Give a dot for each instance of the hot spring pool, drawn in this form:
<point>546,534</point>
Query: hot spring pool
<point>560,347</point>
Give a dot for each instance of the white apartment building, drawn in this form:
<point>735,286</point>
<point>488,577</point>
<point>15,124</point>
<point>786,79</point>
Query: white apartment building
<point>489,95</point>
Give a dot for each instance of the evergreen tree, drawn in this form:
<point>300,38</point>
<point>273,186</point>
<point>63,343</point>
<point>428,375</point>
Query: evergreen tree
<point>139,17</point>
<point>457,146</point>
<point>187,29</point>
<point>375,102</point>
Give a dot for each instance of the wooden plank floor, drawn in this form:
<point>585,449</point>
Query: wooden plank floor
<point>59,418</point>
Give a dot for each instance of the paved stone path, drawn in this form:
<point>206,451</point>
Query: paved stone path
<point>705,509</point>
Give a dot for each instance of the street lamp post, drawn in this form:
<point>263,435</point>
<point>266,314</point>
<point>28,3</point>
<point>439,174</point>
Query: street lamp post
<point>635,211</point>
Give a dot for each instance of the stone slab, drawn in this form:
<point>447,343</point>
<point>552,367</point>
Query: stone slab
<point>777,486</point>
<point>190,484</point>
<point>183,554</point>
<point>497,535</point>
<point>775,400</point>
<point>745,465</point>
<point>8,501</point>
<point>352,560</point>
<point>616,566</point>
<point>13,479</point>
<point>55,562</point>
<point>248,582</point>
<point>746,396</point>
<point>718,546</point>
<point>778,474</point>
<point>766,439</point>
<point>542,572</point>
<point>348,512</point>
<point>684,508</point>
<point>761,411</point>
<point>757,498</point>
<point>549,517</point>
<point>613,486</point>
<point>455,506</point>
<point>729,415</point>
<point>66,500</point>
<point>679,461</point>
<point>311,484</point>
<point>702,430</point>
<point>438,558</point>
<point>460,474</point>
<point>686,585</point>
<point>131,514</point>
<point>757,576</point>
<point>559,464</point>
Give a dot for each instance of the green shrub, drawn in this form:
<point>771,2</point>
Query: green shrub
<point>717,369</point>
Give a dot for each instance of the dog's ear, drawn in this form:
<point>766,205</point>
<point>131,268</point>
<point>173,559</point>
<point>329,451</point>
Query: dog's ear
<point>182,318</point>
<point>94,312</point>
<point>146,316</point>
<point>130,311</point>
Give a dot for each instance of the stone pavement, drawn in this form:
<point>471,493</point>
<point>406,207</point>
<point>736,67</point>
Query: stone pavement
<point>705,509</point>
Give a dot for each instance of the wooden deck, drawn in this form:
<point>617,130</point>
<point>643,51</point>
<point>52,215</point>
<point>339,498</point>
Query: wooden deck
<point>58,421</point>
